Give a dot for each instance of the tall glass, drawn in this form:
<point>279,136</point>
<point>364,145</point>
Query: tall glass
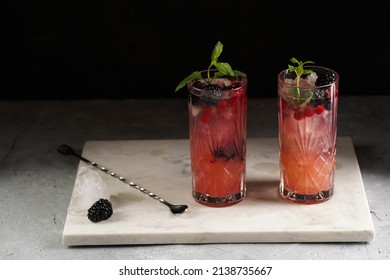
<point>307,118</point>
<point>217,124</point>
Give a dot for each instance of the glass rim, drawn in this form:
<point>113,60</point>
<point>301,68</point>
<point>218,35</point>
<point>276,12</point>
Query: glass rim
<point>310,67</point>
<point>242,79</point>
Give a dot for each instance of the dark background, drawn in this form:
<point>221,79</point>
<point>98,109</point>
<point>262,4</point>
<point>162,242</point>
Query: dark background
<point>142,49</point>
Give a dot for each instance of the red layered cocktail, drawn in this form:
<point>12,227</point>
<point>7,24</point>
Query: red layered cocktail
<point>217,122</point>
<point>217,106</point>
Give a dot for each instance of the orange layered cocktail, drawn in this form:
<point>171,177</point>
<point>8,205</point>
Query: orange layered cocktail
<point>308,100</point>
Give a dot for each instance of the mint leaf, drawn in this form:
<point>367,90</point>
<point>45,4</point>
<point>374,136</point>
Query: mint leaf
<point>192,76</point>
<point>216,52</point>
<point>224,68</point>
<point>299,98</point>
<point>299,71</point>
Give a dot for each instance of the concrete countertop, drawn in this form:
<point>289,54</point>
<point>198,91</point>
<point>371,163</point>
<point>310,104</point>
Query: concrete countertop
<point>36,182</point>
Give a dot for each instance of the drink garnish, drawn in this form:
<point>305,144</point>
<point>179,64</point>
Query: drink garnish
<point>224,69</point>
<point>295,92</point>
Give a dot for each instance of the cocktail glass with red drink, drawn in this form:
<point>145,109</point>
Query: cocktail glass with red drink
<point>217,122</point>
<point>217,112</point>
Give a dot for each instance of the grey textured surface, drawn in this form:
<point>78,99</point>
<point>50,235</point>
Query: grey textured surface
<point>36,182</point>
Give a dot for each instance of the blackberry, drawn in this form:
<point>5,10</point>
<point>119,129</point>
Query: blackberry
<point>225,153</point>
<point>210,97</point>
<point>212,87</point>
<point>320,97</point>
<point>326,78</point>
<point>320,93</point>
<point>198,85</point>
<point>100,210</point>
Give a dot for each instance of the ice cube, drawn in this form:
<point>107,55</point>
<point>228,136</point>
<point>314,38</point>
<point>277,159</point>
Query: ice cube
<point>89,187</point>
<point>195,110</point>
<point>289,81</point>
<point>222,82</point>
<point>310,80</point>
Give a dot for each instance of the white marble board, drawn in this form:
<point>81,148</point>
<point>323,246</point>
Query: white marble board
<point>163,167</point>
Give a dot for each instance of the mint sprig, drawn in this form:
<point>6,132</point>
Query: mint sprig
<point>224,69</point>
<point>299,71</point>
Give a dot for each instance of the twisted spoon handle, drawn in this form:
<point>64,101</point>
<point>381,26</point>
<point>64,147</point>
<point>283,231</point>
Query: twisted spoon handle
<point>130,183</point>
<point>175,209</point>
<point>123,179</point>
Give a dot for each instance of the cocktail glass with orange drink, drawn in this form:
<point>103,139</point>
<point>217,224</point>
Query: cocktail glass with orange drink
<point>307,115</point>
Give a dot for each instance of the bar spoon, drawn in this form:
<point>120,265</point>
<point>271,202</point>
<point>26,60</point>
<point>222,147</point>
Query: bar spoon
<point>175,209</point>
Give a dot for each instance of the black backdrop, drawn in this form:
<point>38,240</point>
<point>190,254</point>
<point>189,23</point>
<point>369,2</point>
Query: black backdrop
<point>142,49</point>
